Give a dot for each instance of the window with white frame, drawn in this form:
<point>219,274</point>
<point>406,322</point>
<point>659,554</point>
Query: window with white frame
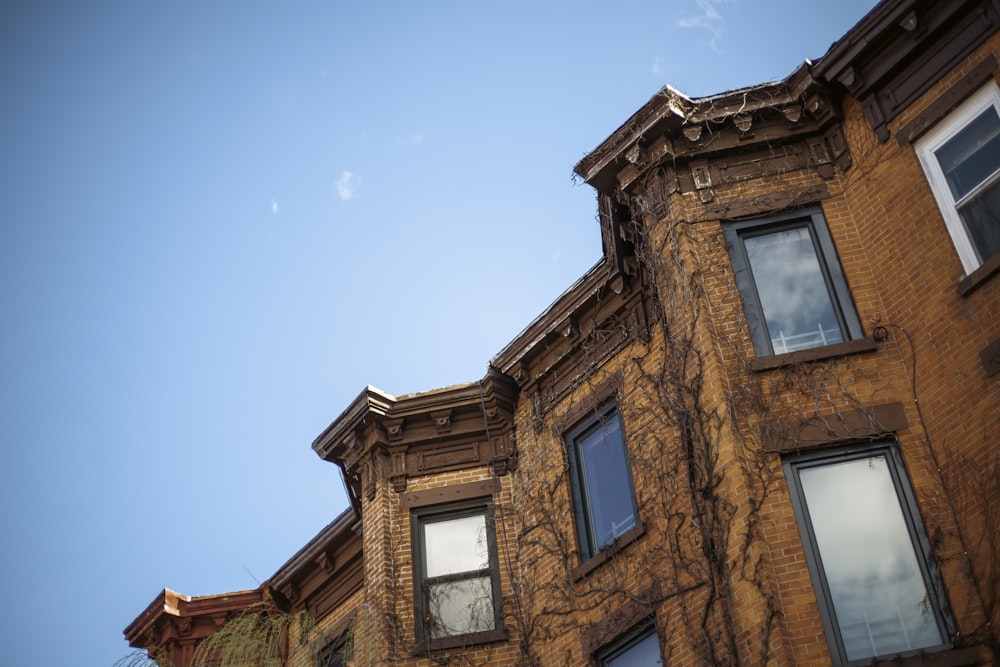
<point>456,572</point>
<point>793,290</point>
<point>867,552</point>
<point>638,649</point>
<point>961,157</point>
<point>601,480</point>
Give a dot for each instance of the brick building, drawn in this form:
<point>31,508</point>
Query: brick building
<point>762,429</point>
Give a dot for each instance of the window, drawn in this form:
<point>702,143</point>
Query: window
<point>867,553</point>
<point>961,157</point>
<point>794,293</point>
<point>640,649</point>
<point>456,573</point>
<point>331,656</point>
<point>603,494</point>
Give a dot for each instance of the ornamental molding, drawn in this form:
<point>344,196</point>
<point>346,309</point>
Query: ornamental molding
<point>390,438</point>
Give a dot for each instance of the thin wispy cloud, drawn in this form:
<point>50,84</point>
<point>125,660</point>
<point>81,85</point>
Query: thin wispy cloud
<point>274,206</point>
<point>658,67</point>
<point>708,19</point>
<point>415,138</point>
<point>347,185</point>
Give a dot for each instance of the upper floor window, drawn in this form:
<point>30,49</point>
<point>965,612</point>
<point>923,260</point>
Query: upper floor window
<point>456,573</point>
<point>331,656</point>
<point>603,494</point>
<point>867,552</point>
<point>794,292</point>
<point>961,157</point>
<point>639,649</point>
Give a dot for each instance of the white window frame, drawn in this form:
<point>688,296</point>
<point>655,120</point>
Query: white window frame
<point>935,138</point>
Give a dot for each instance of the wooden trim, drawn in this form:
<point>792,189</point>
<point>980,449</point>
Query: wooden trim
<point>833,429</point>
<point>990,356</point>
<point>888,65</point>
<point>608,551</point>
<point>450,494</point>
<point>951,657</point>
<point>338,588</point>
<point>948,101</point>
<point>859,346</point>
<point>459,641</point>
<point>977,278</point>
<point>769,203</point>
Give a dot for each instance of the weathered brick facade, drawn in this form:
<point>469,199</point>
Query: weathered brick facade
<point>721,558</point>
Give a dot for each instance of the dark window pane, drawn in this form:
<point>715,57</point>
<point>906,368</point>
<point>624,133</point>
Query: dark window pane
<point>981,217</point>
<point>456,545</point>
<point>878,591</point>
<point>606,481</point>
<point>644,653</point>
<point>331,657</point>
<point>972,155</point>
<point>460,607</point>
<point>792,289</point>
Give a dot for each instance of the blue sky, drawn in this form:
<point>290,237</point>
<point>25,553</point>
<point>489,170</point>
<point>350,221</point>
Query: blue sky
<point>221,220</point>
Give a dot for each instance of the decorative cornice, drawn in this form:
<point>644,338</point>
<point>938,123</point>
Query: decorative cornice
<point>406,436</point>
<point>673,129</point>
<point>324,572</point>
<point>900,49</point>
<point>172,618</point>
<point>591,321</point>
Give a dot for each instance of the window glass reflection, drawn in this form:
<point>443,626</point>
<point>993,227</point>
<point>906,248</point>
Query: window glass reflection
<point>606,481</point>
<point>981,217</point>
<point>878,591</point>
<point>460,607</point>
<point>456,545</point>
<point>970,162</point>
<point>644,653</point>
<point>793,293</point>
<point>973,155</point>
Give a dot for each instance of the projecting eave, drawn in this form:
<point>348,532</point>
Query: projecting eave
<point>172,615</point>
<point>326,571</point>
<point>556,318</point>
<point>370,404</point>
<point>467,418</point>
<point>341,529</point>
<point>668,106</point>
<point>673,128</point>
<point>900,49</point>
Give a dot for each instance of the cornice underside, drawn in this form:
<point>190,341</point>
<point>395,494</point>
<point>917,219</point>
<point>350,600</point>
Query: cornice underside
<point>575,347</point>
<point>462,427</point>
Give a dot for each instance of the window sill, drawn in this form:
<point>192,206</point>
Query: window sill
<point>458,641</point>
<point>859,346</point>
<point>977,278</point>
<point>953,657</point>
<point>607,552</point>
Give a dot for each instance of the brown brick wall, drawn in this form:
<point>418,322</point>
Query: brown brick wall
<point>902,272</point>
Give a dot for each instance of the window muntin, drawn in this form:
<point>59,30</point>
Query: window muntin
<point>601,481</point>
<point>867,553</point>
<point>637,650</point>
<point>961,157</point>
<point>458,585</point>
<point>794,293</point>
